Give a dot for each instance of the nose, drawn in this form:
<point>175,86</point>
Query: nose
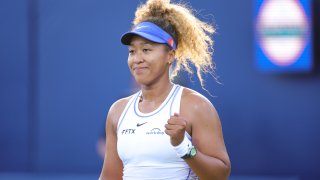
<point>137,57</point>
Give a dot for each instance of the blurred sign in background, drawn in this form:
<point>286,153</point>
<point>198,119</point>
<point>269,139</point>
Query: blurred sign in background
<point>283,35</point>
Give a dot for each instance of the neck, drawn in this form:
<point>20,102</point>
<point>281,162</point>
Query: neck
<point>155,92</point>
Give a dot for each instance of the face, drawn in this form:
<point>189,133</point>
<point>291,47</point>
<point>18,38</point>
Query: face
<point>149,61</point>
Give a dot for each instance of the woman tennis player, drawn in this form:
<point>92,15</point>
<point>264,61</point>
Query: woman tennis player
<point>165,131</point>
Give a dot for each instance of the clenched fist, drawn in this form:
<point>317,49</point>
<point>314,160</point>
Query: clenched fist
<point>176,129</point>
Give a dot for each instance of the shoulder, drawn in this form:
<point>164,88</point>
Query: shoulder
<point>197,107</point>
<point>117,108</point>
<point>194,100</point>
<point>119,104</point>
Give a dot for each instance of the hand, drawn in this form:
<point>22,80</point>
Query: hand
<point>176,129</point>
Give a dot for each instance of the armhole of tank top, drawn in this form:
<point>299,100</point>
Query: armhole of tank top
<point>175,105</point>
<point>124,112</point>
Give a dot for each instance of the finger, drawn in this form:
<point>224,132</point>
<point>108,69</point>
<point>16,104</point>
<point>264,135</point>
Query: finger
<point>171,133</point>
<point>174,116</point>
<point>177,121</point>
<point>167,132</point>
<point>174,127</point>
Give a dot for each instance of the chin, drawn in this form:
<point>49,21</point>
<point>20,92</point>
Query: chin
<point>143,82</point>
<point>140,80</point>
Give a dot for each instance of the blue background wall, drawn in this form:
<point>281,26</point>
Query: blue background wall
<point>62,66</point>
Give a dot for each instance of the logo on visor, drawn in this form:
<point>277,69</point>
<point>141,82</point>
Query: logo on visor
<point>139,27</point>
<point>170,41</point>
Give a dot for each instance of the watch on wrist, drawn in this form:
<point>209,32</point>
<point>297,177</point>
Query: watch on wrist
<point>191,153</point>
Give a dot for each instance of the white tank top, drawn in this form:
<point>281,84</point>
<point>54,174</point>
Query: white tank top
<point>144,147</point>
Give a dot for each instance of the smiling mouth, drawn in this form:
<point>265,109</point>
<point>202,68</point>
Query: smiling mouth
<point>139,69</point>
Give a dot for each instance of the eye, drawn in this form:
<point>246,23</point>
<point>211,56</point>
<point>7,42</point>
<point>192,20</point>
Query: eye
<point>131,51</point>
<point>146,50</point>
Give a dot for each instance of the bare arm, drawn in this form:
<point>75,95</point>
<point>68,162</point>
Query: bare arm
<point>212,160</point>
<point>112,166</point>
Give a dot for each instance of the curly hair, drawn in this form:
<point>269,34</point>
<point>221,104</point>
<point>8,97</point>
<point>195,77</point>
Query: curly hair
<point>193,36</point>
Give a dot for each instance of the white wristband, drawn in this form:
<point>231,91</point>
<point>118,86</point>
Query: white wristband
<point>183,148</point>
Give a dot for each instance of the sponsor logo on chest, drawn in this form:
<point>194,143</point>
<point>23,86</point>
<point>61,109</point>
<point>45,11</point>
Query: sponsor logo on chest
<point>155,131</point>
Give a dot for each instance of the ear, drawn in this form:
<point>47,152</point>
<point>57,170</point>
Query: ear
<point>171,55</point>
